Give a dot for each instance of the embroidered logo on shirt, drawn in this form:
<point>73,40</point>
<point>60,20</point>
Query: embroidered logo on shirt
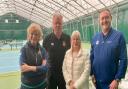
<point>109,42</point>
<point>52,44</point>
<point>63,43</point>
<point>97,42</point>
<point>102,42</point>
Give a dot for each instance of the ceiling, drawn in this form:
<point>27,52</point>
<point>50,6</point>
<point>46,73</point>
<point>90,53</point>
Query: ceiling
<point>41,11</point>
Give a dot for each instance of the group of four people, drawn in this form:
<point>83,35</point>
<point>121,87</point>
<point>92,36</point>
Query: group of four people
<point>68,65</point>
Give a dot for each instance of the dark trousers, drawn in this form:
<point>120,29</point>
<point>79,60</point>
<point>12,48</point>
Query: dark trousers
<point>43,86</point>
<point>23,87</point>
<point>102,85</point>
<point>55,79</point>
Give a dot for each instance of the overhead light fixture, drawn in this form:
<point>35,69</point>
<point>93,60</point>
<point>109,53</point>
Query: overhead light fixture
<point>17,21</point>
<point>6,20</point>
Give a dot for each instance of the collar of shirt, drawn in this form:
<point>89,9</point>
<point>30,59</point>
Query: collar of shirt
<point>57,38</point>
<point>105,37</point>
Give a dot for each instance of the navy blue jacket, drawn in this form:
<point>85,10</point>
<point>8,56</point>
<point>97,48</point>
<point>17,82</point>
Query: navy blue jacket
<point>33,56</point>
<point>108,56</point>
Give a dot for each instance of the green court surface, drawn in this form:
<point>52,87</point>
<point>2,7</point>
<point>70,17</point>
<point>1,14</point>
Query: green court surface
<point>86,45</point>
<point>10,80</point>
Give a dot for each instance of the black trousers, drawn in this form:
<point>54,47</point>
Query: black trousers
<point>102,85</point>
<point>43,86</point>
<point>23,87</point>
<point>55,79</point>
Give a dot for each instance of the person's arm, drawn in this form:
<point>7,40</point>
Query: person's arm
<point>43,67</point>
<point>68,42</point>
<point>85,75</point>
<point>27,68</point>
<point>91,61</point>
<point>65,72</point>
<point>91,58</point>
<point>23,65</point>
<point>122,66</point>
<point>122,59</point>
<point>45,44</point>
<point>22,56</point>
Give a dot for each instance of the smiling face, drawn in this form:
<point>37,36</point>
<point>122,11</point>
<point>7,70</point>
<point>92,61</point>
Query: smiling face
<point>75,40</point>
<point>105,19</point>
<point>34,37</point>
<point>34,34</point>
<point>57,23</point>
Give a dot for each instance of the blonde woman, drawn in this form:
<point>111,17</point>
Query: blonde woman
<point>76,65</point>
<point>33,60</point>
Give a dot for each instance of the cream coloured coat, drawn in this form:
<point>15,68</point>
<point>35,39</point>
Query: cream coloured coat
<point>77,69</point>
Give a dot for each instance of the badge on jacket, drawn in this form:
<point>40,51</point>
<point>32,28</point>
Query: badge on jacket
<point>97,42</point>
<point>52,44</point>
<point>63,43</point>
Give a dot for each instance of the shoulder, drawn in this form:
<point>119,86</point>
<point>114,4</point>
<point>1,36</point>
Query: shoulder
<point>118,33</point>
<point>68,52</point>
<point>96,36</point>
<point>24,47</point>
<point>47,39</point>
<point>48,36</point>
<point>43,49</point>
<point>66,35</point>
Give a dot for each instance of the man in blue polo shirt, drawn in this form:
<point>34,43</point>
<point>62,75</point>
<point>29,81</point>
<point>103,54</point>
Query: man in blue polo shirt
<point>108,55</point>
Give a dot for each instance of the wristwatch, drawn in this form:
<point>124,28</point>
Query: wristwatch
<point>118,80</point>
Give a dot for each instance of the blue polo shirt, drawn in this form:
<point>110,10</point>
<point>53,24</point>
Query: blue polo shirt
<point>108,56</point>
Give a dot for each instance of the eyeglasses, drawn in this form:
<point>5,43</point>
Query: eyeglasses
<point>35,34</point>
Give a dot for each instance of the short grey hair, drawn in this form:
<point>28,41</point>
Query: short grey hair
<point>57,14</point>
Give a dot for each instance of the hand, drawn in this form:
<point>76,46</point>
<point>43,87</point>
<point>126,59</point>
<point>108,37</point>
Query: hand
<point>114,85</point>
<point>27,68</point>
<point>93,80</point>
<point>71,84</point>
<point>72,87</point>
